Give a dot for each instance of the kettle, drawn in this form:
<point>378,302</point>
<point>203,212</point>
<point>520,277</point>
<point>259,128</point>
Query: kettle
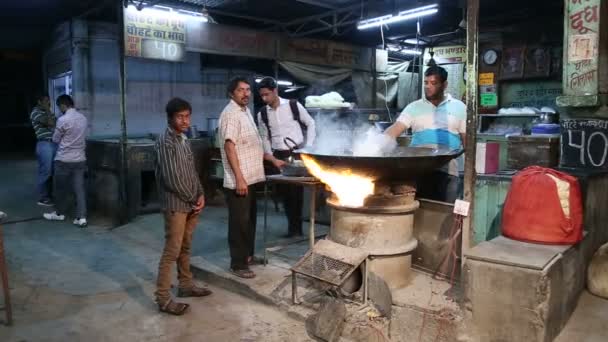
<point>288,141</point>
<point>294,167</point>
<point>546,117</point>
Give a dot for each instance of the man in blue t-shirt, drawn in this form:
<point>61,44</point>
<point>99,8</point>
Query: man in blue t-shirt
<point>438,120</point>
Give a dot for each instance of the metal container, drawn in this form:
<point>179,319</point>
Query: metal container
<point>193,132</point>
<point>528,150</point>
<point>212,124</point>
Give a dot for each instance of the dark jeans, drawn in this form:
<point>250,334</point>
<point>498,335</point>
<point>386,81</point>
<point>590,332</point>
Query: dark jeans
<point>242,217</point>
<point>45,153</point>
<point>69,179</point>
<point>439,186</point>
<point>292,197</point>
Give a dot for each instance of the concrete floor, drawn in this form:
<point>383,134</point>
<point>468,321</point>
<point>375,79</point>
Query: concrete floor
<point>589,321</point>
<point>69,284</point>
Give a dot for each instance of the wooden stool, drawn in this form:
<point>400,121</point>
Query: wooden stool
<point>4,275</point>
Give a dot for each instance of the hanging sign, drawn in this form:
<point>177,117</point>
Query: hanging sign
<point>446,54</point>
<point>582,25</point>
<point>156,34</point>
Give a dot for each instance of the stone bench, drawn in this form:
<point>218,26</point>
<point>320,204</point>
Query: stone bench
<point>517,291</point>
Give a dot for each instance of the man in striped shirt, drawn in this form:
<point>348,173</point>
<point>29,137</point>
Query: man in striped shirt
<point>43,122</point>
<point>182,200</point>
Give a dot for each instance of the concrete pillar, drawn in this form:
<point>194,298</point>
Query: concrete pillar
<point>81,75</point>
<point>585,72</point>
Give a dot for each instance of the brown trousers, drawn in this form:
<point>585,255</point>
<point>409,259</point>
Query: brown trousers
<point>178,242</point>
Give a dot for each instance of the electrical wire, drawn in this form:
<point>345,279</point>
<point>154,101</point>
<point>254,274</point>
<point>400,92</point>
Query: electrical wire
<point>388,111</point>
<point>455,232</point>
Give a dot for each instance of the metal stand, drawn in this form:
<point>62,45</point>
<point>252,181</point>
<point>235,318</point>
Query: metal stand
<point>310,182</point>
<point>332,264</point>
<point>4,274</point>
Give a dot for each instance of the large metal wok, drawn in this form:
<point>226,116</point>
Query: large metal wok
<point>403,164</point>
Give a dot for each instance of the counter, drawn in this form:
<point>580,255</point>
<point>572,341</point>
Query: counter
<point>491,191</point>
<point>104,181</point>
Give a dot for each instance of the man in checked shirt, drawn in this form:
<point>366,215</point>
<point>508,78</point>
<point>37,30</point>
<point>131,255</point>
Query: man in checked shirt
<point>182,200</point>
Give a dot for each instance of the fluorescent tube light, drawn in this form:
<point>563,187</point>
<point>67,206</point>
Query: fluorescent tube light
<point>166,11</point>
<point>402,50</point>
<point>403,15</point>
<point>279,82</point>
<point>410,52</point>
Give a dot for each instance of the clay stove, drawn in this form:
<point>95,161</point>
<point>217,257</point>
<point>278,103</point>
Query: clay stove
<point>381,221</point>
<point>383,227</point>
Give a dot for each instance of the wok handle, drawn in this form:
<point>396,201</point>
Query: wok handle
<point>288,140</point>
<point>457,151</point>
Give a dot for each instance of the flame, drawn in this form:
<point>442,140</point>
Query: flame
<point>350,189</point>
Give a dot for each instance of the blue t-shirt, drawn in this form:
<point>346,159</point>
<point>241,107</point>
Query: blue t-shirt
<point>436,126</point>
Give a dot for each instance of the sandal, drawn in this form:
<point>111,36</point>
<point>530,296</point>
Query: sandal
<point>253,260</point>
<point>243,273</point>
<point>193,291</point>
<point>173,308</point>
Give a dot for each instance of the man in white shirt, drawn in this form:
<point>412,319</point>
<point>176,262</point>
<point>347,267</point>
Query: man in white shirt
<point>70,162</point>
<point>439,121</point>
<point>279,121</point>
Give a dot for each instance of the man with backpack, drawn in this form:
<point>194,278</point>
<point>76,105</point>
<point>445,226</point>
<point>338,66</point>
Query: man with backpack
<point>278,120</point>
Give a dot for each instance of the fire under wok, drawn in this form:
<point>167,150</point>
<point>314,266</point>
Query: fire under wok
<point>402,164</point>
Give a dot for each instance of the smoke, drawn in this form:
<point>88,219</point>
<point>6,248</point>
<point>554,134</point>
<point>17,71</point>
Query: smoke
<point>373,143</point>
<point>339,134</point>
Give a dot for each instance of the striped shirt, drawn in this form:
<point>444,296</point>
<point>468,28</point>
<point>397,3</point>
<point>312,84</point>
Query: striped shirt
<point>178,183</point>
<point>41,118</point>
<point>237,125</point>
<point>436,127</point>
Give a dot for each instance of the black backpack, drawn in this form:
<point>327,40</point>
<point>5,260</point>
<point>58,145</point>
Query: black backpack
<point>293,104</point>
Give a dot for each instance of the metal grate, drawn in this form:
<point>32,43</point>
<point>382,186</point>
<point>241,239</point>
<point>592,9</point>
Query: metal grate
<point>330,262</point>
<point>324,268</point>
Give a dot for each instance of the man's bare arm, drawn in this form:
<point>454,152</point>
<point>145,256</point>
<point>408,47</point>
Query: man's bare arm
<point>395,129</point>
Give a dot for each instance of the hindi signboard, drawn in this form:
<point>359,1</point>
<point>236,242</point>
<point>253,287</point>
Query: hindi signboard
<point>530,94</point>
<point>581,31</point>
<point>325,52</point>
<point>446,54</point>
<point>155,34</point>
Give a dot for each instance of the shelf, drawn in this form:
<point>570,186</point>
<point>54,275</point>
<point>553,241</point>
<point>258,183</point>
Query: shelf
<point>507,115</point>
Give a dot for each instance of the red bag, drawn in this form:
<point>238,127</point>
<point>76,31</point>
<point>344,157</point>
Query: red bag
<point>533,212</point>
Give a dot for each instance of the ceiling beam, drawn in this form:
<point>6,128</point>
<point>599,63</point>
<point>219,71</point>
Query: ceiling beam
<point>350,8</point>
<point>242,16</point>
<point>318,3</point>
<point>321,29</point>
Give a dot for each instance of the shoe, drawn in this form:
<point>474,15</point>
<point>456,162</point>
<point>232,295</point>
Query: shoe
<point>2,215</point>
<point>53,216</point>
<point>81,222</point>
<point>173,308</point>
<point>46,203</point>
<point>194,291</point>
